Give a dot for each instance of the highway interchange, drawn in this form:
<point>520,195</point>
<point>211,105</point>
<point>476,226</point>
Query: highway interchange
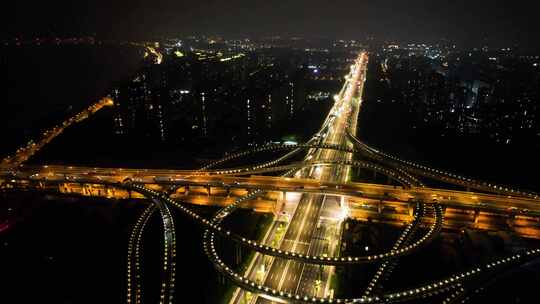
<point>299,267</point>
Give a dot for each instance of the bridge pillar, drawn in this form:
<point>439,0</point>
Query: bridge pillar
<point>228,191</point>
<point>186,189</point>
<point>374,175</point>
<point>410,207</point>
<point>476,214</point>
<point>280,202</point>
<point>209,190</point>
<point>379,208</point>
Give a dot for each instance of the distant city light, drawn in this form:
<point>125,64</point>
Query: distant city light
<point>233,57</point>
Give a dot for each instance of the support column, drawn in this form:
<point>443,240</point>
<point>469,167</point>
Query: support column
<point>411,206</point>
<point>476,214</point>
<point>443,211</point>
<point>280,202</point>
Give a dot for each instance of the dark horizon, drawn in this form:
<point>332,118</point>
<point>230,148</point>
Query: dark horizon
<point>496,23</point>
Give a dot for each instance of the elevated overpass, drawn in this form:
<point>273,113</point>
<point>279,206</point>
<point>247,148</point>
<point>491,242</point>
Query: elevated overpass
<point>445,197</point>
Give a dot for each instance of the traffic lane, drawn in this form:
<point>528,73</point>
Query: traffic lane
<point>292,276</point>
<point>285,272</point>
<point>279,266</point>
<point>311,272</point>
<point>319,246</point>
<point>295,222</point>
<point>296,237</point>
<point>301,231</point>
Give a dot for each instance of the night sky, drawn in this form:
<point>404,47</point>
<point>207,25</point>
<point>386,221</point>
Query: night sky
<point>463,21</point>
